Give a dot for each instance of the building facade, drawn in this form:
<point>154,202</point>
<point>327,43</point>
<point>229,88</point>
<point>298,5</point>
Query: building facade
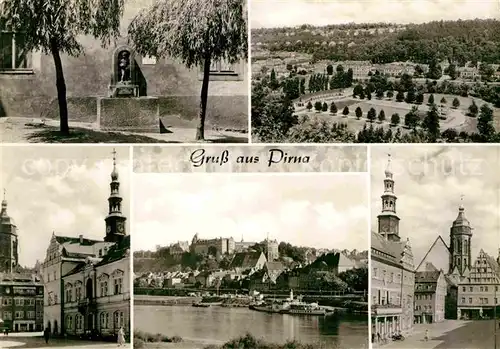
<point>218,246</point>
<point>430,294</point>
<point>86,281</point>
<point>21,293</point>
<point>393,272</point>
<point>478,291</point>
<point>21,302</point>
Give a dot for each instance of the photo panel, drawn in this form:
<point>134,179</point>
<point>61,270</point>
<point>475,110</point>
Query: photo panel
<point>435,256</point>
<point>334,72</point>
<point>249,259</point>
<point>65,265</point>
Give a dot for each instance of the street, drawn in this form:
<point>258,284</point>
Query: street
<point>451,334</point>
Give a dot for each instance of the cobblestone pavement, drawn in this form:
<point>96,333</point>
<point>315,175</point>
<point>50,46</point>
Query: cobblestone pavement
<point>450,334</point>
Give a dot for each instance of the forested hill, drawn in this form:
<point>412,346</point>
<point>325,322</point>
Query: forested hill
<point>460,41</point>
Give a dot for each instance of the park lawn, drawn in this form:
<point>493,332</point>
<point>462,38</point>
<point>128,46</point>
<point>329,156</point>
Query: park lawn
<point>353,124</point>
<point>401,108</point>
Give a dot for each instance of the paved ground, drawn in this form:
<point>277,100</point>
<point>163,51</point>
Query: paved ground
<point>28,130</point>
<point>38,342</point>
<point>35,340</point>
<point>451,334</point>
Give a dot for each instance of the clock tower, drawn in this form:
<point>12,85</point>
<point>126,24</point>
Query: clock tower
<point>115,221</point>
<point>388,221</point>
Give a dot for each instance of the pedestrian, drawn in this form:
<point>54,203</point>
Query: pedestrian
<point>46,335</point>
<point>121,337</point>
<point>426,335</point>
<point>379,337</point>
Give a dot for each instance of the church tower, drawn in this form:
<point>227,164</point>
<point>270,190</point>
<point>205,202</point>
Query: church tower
<point>460,238</point>
<point>388,221</point>
<point>9,257</point>
<point>115,221</point>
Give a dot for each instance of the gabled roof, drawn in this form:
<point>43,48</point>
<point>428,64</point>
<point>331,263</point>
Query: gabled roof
<point>439,238</point>
<point>427,276</point>
<point>274,266</point>
<point>245,260</point>
<point>393,250</point>
<point>117,251</point>
<point>326,261</point>
<point>75,240</point>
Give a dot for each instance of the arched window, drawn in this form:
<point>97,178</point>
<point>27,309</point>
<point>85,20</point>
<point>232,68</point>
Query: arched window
<point>79,321</point>
<point>104,318</point>
<point>69,322</point>
<point>117,281</point>
<point>89,287</point>
<point>116,320</point>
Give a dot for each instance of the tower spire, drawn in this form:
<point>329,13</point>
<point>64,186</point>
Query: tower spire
<point>460,241</point>
<point>115,221</point>
<point>388,168</point>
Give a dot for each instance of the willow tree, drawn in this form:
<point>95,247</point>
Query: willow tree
<point>195,32</point>
<point>54,26</point>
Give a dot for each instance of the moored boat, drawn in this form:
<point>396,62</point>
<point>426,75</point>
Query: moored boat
<point>201,305</point>
<point>300,308</point>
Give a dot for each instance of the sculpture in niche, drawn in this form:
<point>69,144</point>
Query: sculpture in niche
<point>123,76</point>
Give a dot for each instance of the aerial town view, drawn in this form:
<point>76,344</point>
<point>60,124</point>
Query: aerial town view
<point>435,252</point>
<point>250,261</point>
<point>64,262</point>
<point>349,73</point>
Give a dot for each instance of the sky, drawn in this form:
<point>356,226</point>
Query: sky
<point>288,13</point>
<point>318,210</point>
<point>429,182</point>
<point>61,189</point>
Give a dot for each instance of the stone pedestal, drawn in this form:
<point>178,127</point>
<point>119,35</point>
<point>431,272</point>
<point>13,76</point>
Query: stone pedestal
<point>123,90</point>
<point>129,114</point>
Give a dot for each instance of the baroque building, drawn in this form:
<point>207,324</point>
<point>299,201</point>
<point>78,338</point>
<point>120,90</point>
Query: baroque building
<point>393,272</point>
<point>218,246</point>
<point>87,280</point>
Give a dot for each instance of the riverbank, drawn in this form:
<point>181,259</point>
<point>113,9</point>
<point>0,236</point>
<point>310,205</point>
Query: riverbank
<point>245,342</point>
<point>341,305</point>
<point>189,301</point>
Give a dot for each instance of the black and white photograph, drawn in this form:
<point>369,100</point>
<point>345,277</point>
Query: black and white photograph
<point>65,263</point>
<point>375,71</point>
<point>250,260</point>
<point>125,71</point>
<point>435,247</point>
